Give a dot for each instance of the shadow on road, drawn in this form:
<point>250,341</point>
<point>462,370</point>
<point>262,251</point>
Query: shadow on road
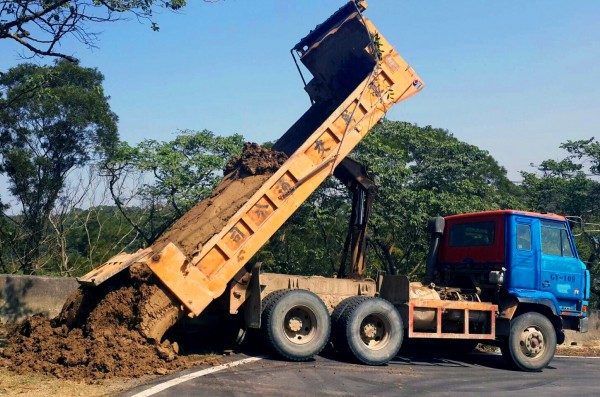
<point>220,339</point>
<point>488,360</point>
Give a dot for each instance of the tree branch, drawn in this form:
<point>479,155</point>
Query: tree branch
<point>34,15</point>
<point>37,51</point>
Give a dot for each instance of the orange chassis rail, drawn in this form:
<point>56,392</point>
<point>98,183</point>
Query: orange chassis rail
<point>442,305</point>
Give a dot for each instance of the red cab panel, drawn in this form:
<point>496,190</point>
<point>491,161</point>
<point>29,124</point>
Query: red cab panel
<point>473,238</point>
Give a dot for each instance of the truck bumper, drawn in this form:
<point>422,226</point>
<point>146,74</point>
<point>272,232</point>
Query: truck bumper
<point>584,324</point>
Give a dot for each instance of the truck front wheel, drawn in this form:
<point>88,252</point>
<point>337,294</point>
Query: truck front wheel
<point>532,342</point>
<point>295,324</point>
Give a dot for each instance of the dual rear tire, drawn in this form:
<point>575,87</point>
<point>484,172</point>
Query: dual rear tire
<point>369,330</point>
<point>297,326</point>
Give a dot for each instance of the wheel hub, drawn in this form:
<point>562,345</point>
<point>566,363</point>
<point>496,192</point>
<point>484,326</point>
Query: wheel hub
<point>295,324</point>
<point>374,331</point>
<point>370,330</point>
<point>532,341</point>
<point>300,325</point>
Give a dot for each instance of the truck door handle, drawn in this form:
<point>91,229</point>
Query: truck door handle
<point>546,284</point>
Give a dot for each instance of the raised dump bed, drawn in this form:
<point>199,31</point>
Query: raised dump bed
<point>357,78</point>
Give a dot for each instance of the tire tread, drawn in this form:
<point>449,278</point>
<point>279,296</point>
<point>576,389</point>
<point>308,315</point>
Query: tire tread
<point>528,319</point>
<point>269,305</point>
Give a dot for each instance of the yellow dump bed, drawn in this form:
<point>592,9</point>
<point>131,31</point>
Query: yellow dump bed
<point>357,77</point>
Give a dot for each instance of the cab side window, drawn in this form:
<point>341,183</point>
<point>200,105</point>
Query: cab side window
<point>566,247</point>
<point>523,237</point>
<point>555,240</point>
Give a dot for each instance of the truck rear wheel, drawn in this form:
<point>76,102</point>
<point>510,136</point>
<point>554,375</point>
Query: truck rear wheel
<point>295,323</point>
<point>338,328</point>
<point>373,331</point>
<point>531,344</point>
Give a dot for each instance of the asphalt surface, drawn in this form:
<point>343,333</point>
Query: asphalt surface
<point>472,375</point>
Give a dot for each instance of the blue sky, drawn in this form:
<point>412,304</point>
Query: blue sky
<point>514,78</point>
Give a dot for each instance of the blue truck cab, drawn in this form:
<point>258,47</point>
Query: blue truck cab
<point>544,266</point>
<point>526,263</point>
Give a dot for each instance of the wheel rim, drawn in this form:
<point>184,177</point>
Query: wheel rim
<point>300,325</point>
<point>532,342</point>
<point>375,331</point>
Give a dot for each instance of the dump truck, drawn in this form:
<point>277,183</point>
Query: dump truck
<point>480,286</point>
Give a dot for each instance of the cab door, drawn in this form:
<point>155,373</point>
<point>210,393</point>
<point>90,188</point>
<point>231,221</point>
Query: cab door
<point>561,273</point>
<point>524,269</point>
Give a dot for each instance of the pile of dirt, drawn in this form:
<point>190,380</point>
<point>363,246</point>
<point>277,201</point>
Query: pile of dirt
<point>101,332</point>
<point>244,175</point>
<point>96,336</point>
<point>578,351</point>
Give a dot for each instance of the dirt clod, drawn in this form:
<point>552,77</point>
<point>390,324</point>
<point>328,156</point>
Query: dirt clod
<point>255,160</point>
<point>107,331</point>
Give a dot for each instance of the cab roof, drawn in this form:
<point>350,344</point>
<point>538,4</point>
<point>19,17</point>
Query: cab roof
<point>507,212</point>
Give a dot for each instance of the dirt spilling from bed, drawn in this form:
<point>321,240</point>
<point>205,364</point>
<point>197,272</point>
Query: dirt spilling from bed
<point>99,332</point>
<point>244,175</point>
<point>95,336</point>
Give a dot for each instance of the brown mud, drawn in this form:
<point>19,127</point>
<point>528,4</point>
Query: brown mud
<point>96,336</point>
<point>102,332</point>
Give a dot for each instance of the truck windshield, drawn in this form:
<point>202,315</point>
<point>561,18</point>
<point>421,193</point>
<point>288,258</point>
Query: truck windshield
<point>472,234</point>
<point>555,239</point>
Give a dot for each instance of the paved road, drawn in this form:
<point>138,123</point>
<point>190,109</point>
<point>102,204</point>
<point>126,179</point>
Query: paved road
<point>473,375</point>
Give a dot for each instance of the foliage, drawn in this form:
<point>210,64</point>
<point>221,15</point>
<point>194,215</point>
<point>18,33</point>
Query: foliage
<point>571,187</point>
<point>91,237</point>
<point>44,134</point>
<point>39,26</point>
<point>76,243</point>
<point>424,172</point>
<point>311,241</point>
<point>164,179</point>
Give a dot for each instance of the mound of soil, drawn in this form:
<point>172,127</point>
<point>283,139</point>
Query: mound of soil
<point>97,335</point>
<point>101,332</point>
<point>578,351</point>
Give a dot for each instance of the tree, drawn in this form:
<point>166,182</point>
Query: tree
<point>570,187</point>
<point>161,181</point>
<point>311,241</point>
<point>40,25</point>
<point>420,172</point>
<point>424,172</point>
<point>84,230</point>
<point>46,133</point>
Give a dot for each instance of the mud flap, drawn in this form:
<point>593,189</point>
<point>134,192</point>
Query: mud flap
<point>253,305</point>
